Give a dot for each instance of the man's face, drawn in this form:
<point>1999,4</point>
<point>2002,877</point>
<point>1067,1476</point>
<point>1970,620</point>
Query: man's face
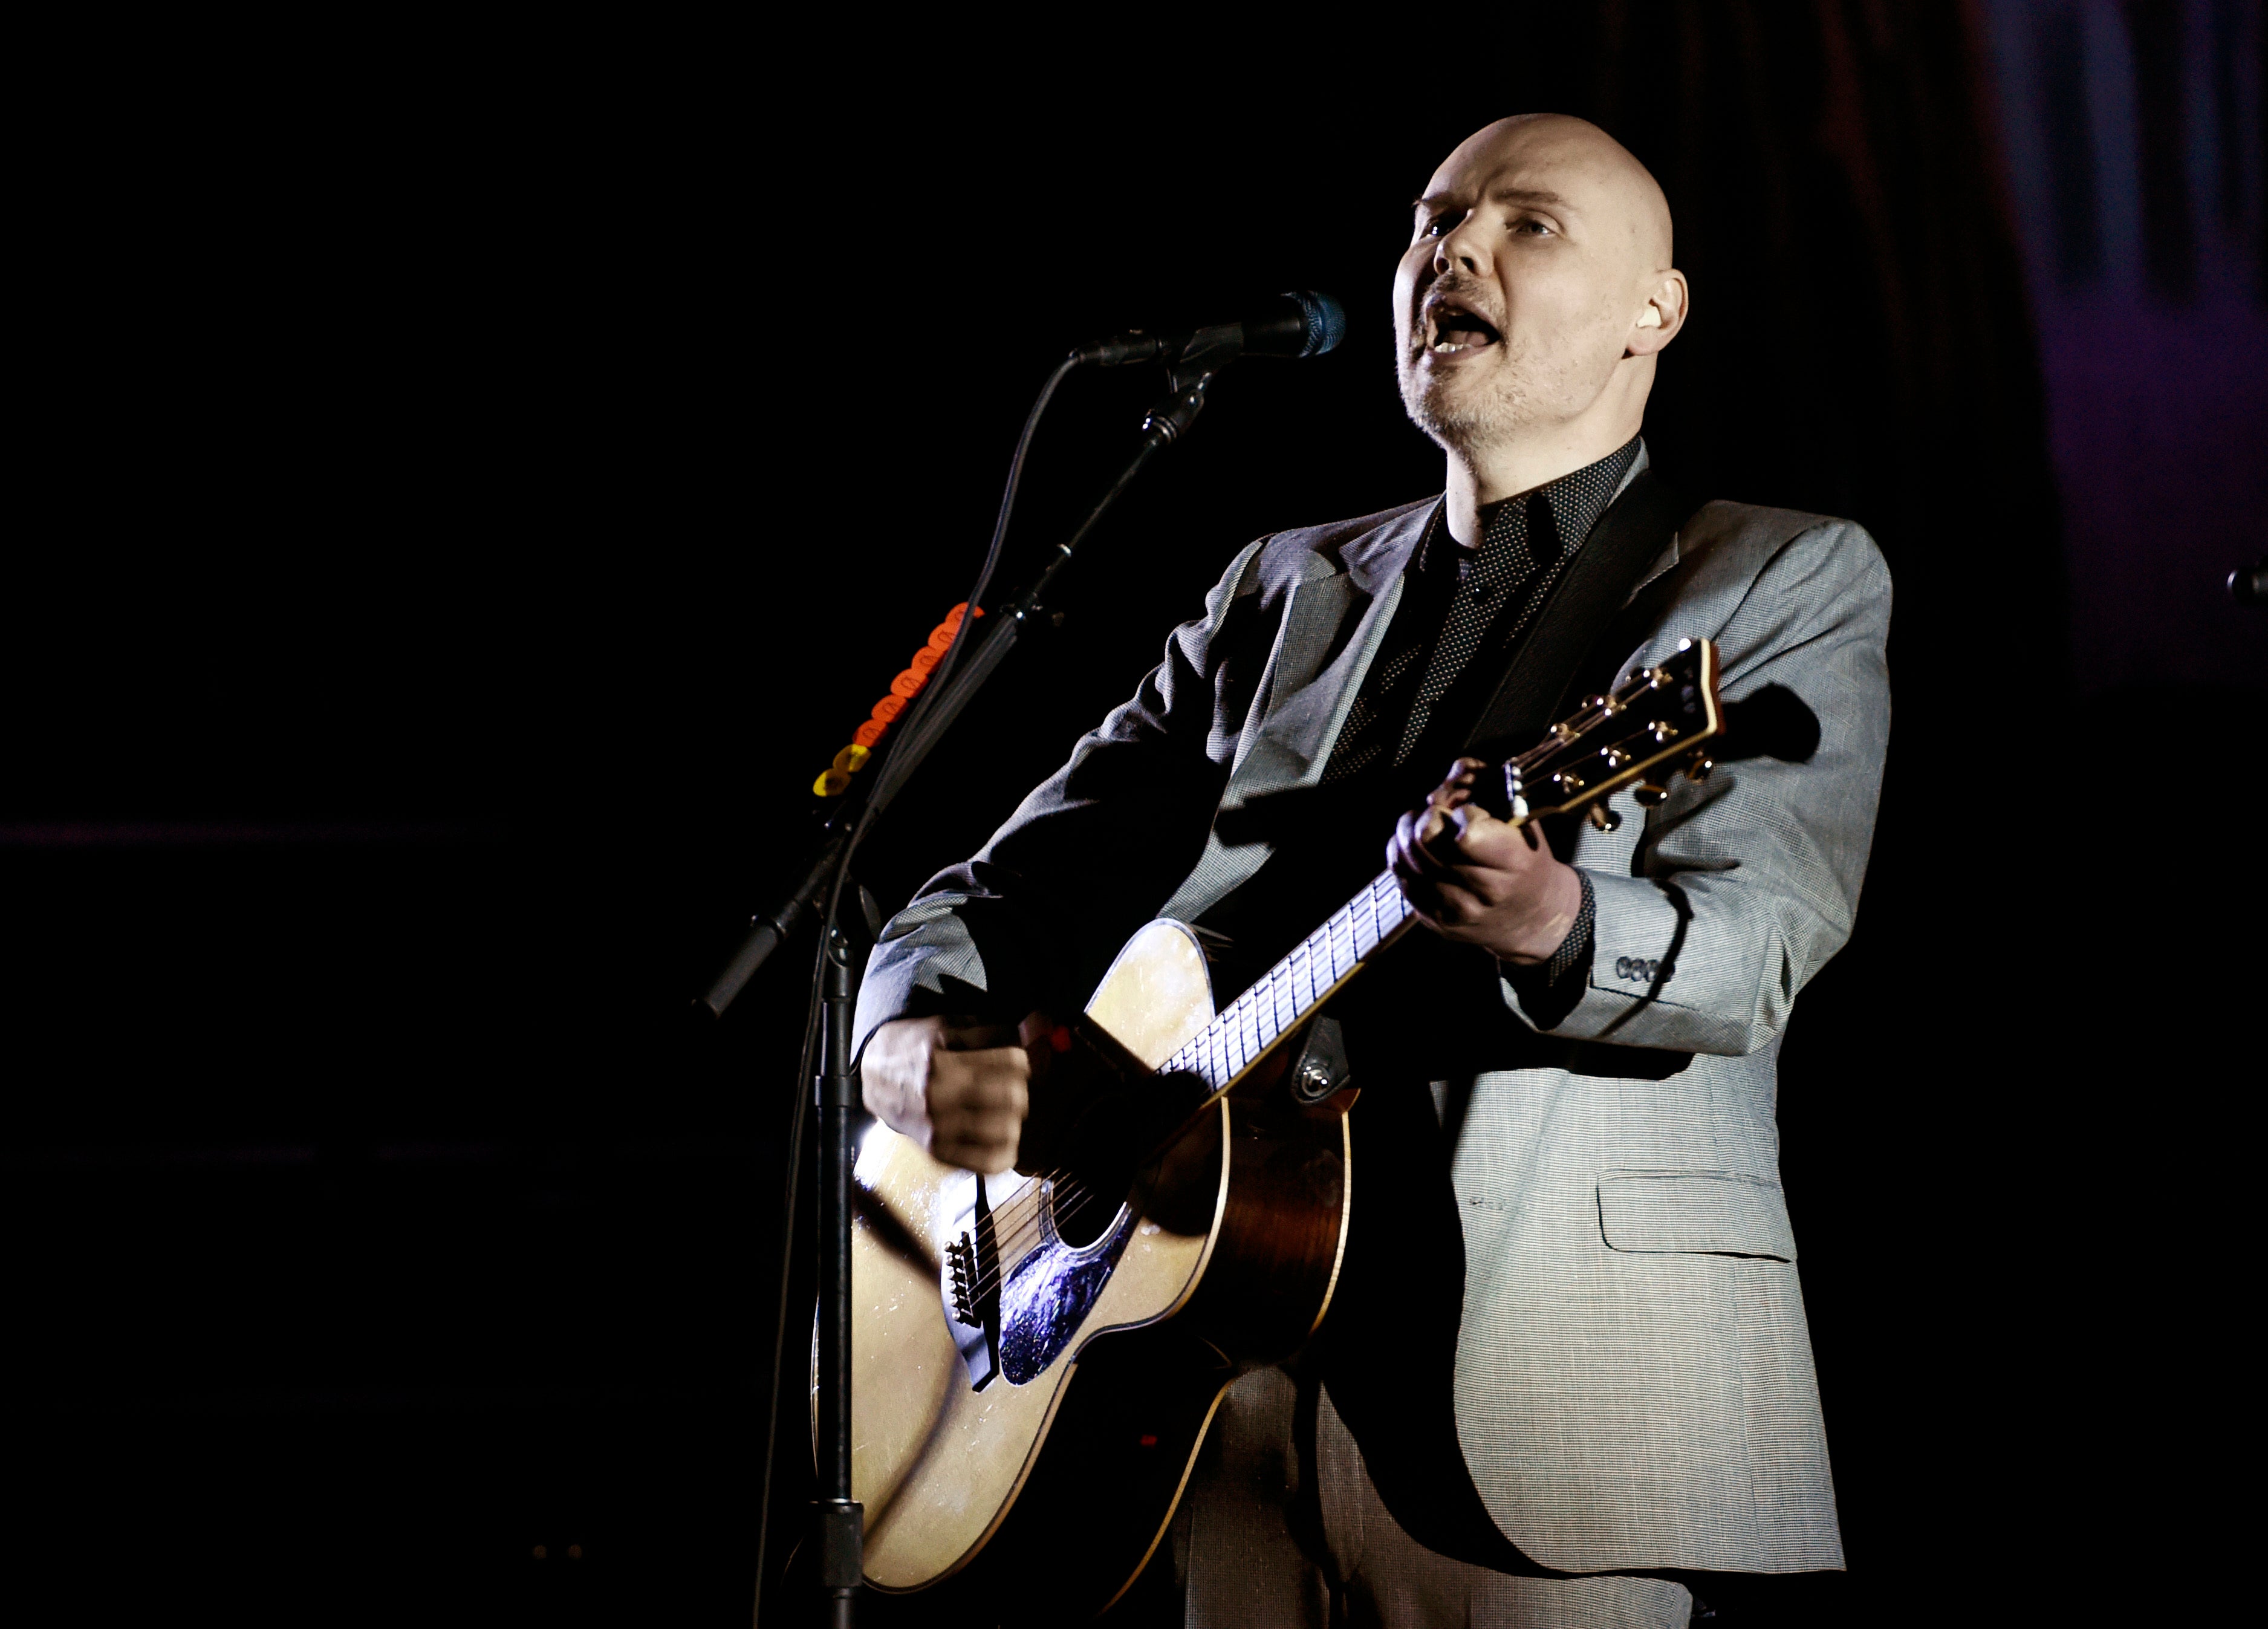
<point>1514,302</point>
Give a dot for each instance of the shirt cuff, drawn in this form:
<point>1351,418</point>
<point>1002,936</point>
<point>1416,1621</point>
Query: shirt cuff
<point>1550,990</point>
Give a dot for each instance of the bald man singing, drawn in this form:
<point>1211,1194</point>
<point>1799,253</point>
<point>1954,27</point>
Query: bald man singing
<point>1565,1378</point>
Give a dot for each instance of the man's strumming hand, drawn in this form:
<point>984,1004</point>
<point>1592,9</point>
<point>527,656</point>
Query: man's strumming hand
<point>1480,880</point>
<point>960,1090</point>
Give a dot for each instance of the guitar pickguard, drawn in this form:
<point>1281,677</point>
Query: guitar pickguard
<point>1013,1314</point>
<point>1049,1295</point>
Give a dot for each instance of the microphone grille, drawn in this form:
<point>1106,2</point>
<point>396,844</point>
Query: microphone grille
<point>1325,319</point>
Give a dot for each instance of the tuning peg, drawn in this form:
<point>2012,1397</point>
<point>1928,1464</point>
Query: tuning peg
<point>1604,818</point>
<point>1649,795</point>
<point>1700,768</point>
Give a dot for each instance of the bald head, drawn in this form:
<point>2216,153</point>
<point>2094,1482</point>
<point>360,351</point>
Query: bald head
<point>1578,159</point>
<point>1536,292</point>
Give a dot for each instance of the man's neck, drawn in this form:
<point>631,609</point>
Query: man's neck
<point>1541,453</point>
<point>1477,480</point>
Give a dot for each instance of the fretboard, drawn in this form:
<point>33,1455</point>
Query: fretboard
<point>1244,1031</point>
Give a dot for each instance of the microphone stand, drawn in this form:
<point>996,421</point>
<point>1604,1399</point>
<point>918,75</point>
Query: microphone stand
<point>838,1520</point>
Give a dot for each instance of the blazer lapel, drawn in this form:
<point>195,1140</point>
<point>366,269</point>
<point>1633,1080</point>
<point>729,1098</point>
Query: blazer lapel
<point>1311,678</point>
<point>1318,663</point>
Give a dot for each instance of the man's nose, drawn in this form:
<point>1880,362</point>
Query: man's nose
<point>1465,249</point>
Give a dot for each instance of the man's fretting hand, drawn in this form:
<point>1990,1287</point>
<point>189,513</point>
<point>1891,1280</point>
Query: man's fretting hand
<point>961,1091</point>
<point>1483,881</point>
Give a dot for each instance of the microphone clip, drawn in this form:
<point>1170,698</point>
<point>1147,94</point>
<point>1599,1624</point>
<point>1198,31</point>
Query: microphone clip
<point>1126,350</point>
<point>1170,419</point>
<point>1216,347</point>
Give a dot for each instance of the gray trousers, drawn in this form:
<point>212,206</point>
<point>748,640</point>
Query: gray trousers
<point>1253,1548</point>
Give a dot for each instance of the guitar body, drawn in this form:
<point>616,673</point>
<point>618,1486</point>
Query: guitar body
<point>1035,1366</point>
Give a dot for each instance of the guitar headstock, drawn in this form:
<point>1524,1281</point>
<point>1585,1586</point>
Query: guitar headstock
<point>1656,723</point>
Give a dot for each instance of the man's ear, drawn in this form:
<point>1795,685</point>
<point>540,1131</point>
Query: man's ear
<point>1659,319</point>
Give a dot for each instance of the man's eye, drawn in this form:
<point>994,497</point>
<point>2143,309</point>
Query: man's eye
<point>1534,228</point>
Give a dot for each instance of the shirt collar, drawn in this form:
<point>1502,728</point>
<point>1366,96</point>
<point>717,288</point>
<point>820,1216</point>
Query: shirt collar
<point>1574,501</point>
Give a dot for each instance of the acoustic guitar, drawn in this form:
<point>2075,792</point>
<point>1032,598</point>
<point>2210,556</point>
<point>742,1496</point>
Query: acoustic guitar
<point>1036,1357</point>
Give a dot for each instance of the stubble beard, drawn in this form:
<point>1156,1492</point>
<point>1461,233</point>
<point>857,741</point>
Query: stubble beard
<point>1466,417</point>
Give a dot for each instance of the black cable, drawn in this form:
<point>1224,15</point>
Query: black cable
<point>908,727</point>
<point>951,658</point>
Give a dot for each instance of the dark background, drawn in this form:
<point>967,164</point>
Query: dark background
<point>465,489</point>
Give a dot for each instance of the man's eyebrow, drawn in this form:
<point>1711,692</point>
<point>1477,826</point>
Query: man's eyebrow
<point>1531,195</point>
<point>1502,194</point>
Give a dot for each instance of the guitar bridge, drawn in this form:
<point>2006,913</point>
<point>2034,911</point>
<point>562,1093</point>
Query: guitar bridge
<point>961,1269</point>
<point>969,1283</point>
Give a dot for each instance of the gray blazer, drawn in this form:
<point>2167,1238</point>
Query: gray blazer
<point>1633,1381</point>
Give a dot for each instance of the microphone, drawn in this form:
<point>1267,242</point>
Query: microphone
<point>1302,323</point>
<point>2248,585</point>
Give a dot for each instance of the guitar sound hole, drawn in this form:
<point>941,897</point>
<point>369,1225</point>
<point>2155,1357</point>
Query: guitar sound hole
<point>1084,1210</point>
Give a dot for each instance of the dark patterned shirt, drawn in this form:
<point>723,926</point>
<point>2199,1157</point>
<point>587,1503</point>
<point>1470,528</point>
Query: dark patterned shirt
<point>1463,615</point>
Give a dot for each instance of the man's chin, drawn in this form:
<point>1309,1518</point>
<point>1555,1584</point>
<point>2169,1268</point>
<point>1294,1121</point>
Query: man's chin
<point>1449,415</point>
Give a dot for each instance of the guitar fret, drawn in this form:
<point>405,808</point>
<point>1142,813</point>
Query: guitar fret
<point>1244,1029</point>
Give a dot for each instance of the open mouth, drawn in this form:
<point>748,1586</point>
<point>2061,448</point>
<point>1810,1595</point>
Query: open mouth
<point>1454,329</point>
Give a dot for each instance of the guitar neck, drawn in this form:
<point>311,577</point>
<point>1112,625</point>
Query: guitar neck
<point>1249,1028</point>
<point>1657,719</point>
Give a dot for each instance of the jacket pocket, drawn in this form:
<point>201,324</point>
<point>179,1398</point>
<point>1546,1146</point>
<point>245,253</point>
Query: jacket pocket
<point>1694,1212</point>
